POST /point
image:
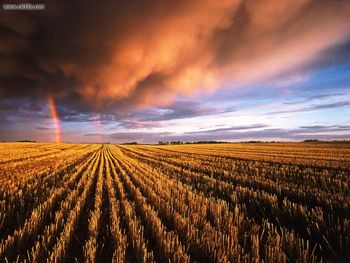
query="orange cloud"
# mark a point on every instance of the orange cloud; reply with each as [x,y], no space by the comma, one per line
[144,54]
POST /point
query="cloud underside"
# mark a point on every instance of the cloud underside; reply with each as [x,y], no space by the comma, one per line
[324,106]
[123,55]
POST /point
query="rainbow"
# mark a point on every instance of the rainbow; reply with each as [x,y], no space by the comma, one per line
[55,118]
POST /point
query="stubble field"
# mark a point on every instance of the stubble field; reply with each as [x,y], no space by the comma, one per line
[277,202]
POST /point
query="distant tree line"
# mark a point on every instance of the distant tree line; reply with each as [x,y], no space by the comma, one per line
[197,142]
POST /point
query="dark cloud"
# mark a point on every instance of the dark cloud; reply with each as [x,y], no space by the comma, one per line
[314,127]
[45,128]
[334,55]
[117,56]
[325,128]
[24,110]
[334,105]
[181,110]
[315,97]
[153,117]
[331,105]
[229,129]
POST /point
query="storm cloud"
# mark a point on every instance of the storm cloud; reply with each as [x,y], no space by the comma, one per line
[121,55]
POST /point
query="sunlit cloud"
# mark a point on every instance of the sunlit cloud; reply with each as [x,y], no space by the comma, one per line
[147,56]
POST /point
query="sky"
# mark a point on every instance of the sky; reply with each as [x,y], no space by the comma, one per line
[164,70]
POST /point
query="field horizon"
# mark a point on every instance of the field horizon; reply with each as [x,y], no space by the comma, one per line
[310,141]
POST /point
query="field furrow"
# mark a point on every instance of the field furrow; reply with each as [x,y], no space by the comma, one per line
[282,202]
